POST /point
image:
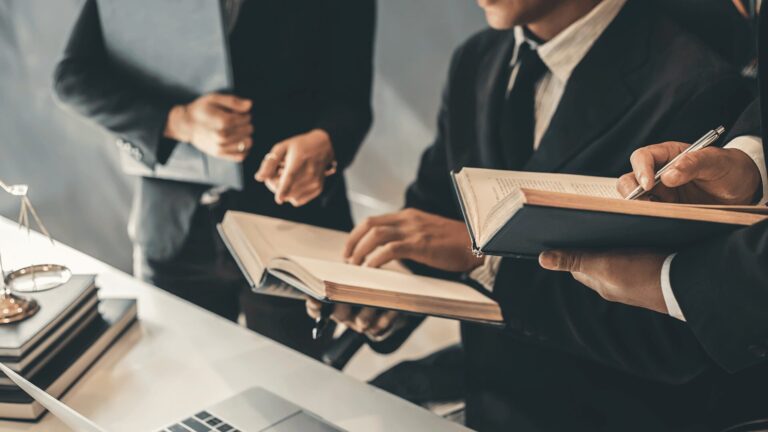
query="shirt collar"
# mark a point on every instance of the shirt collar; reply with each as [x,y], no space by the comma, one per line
[565,51]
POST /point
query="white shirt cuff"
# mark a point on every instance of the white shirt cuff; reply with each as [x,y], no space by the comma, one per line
[753,147]
[485,275]
[673,308]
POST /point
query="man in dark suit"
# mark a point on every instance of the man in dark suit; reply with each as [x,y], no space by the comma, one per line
[703,284]
[720,285]
[301,99]
[568,360]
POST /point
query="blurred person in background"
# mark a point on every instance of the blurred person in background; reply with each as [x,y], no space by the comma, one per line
[296,117]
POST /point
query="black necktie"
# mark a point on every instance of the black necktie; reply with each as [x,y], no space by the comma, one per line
[517,114]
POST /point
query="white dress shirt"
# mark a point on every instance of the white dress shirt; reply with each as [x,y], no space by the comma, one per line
[561,55]
[752,146]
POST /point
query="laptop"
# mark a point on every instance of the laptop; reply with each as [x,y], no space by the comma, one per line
[254,409]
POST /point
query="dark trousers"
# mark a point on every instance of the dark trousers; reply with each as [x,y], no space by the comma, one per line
[205,274]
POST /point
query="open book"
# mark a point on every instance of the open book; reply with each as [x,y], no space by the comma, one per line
[515,213]
[309,258]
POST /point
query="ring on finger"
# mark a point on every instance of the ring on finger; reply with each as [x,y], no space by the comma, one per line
[241,146]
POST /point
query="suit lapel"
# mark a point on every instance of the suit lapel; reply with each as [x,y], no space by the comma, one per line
[492,80]
[587,109]
[596,94]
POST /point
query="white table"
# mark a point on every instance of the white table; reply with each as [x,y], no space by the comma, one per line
[180,358]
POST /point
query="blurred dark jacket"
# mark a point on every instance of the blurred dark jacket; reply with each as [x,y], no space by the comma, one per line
[305,64]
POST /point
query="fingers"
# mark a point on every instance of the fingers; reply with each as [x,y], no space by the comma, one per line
[365,319]
[362,229]
[383,323]
[705,164]
[230,102]
[233,148]
[376,236]
[568,261]
[305,188]
[272,183]
[234,136]
[219,119]
[303,195]
[313,307]
[389,252]
[291,170]
[270,165]
[645,161]
[343,314]
[626,184]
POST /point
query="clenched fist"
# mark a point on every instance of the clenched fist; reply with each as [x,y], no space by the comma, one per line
[218,125]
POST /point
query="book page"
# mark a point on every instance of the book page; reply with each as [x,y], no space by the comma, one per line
[498,184]
[490,191]
[285,238]
[368,278]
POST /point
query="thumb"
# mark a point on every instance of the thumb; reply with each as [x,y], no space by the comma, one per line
[231,102]
[561,260]
[645,160]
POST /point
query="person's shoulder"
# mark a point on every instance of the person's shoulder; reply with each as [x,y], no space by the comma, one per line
[677,49]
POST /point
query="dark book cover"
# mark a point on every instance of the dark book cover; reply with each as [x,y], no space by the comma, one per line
[115,316]
[534,229]
[18,338]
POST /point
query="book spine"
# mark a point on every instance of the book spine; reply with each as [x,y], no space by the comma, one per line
[476,250]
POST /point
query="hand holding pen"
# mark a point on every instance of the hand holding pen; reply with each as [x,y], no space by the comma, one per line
[644,185]
[711,175]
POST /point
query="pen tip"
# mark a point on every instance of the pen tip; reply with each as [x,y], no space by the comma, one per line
[720,130]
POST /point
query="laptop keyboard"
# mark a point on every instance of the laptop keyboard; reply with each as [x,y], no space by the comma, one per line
[201,422]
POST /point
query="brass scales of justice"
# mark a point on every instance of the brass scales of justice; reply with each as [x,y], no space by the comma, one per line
[34,278]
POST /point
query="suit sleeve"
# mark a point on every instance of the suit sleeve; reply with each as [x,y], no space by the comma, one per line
[747,124]
[432,190]
[86,81]
[722,288]
[347,75]
[553,309]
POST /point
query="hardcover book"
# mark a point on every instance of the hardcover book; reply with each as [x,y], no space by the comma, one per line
[521,214]
[309,258]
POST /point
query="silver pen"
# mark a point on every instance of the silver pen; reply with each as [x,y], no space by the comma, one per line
[708,139]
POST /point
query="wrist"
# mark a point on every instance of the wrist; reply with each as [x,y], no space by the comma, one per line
[322,139]
[177,125]
[657,299]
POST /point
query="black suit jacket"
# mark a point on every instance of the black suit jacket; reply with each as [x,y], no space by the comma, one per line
[722,284]
[306,64]
[569,359]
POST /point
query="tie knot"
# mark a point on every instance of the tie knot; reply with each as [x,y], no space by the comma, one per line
[529,63]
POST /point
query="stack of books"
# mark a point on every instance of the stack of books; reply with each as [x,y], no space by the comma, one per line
[56,346]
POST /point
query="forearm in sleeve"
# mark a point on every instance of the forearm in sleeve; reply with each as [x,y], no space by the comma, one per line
[86,81]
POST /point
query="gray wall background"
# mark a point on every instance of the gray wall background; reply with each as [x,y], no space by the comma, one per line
[71,165]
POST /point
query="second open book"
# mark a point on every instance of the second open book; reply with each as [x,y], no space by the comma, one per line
[515,213]
[310,259]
